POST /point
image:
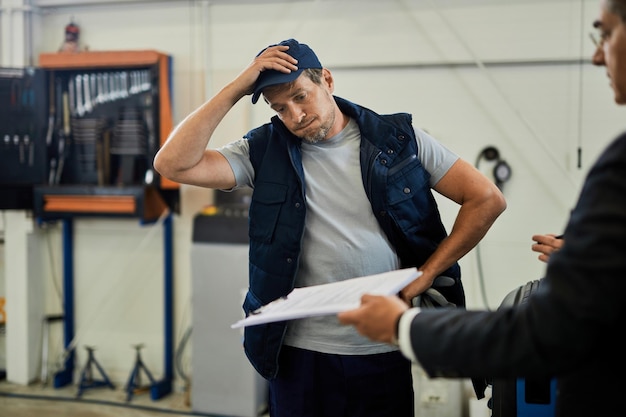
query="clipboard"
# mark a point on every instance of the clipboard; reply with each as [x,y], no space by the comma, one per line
[332,298]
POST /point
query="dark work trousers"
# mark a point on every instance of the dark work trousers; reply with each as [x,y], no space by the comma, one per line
[313,384]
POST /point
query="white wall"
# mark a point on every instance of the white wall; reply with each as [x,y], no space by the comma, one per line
[514,74]
[3,357]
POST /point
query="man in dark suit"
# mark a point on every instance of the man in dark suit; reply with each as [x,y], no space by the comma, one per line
[570,328]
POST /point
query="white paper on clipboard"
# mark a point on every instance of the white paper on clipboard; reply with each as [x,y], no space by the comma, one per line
[319,300]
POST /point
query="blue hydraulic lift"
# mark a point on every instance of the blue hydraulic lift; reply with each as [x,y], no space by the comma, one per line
[158,389]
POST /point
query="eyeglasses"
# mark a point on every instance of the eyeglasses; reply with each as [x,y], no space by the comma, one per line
[597,42]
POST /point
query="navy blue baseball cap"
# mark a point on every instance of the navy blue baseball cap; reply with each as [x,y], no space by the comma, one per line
[306,59]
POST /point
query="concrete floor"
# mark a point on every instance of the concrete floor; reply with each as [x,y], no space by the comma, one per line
[36,400]
[39,400]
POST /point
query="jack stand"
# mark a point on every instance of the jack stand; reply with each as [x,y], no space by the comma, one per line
[134,382]
[86,376]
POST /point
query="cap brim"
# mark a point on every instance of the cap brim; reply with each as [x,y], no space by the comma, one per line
[269,78]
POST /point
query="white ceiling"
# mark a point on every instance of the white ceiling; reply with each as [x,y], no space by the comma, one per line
[413,3]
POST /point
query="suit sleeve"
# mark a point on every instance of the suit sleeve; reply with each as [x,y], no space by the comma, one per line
[571,319]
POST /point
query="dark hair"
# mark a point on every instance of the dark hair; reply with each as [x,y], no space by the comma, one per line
[315,74]
[617,7]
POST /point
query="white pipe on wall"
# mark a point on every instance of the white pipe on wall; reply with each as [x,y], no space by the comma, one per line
[16,49]
[23,244]
[206,52]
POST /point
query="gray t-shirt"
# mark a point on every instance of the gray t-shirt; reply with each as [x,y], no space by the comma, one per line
[342,238]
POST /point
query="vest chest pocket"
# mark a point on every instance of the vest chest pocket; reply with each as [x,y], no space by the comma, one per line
[267,201]
[407,179]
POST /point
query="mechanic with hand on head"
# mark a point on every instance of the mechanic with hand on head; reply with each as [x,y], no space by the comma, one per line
[339,192]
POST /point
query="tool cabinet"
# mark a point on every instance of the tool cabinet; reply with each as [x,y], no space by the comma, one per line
[22,135]
[81,131]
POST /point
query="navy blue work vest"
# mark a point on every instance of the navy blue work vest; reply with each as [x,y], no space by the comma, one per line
[396,184]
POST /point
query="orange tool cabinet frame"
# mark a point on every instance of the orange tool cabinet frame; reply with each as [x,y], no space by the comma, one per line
[58,201]
[70,204]
[120,59]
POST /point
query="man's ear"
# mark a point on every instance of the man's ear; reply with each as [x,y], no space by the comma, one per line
[328,79]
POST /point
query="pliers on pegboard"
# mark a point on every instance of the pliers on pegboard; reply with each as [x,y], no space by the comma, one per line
[16,90]
[22,96]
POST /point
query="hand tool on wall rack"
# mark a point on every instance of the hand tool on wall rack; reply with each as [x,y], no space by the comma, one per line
[56,113]
[147,80]
[16,92]
[16,144]
[80,107]
[28,93]
[53,170]
[72,97]
[20,145]
[51,107]
[124,84]
[93,89]
[113,87]
[99,89]
[116,85]
[61,163]
[58,150]
[149,120]
[25,149]
[30,149]
[67,130]
[87,135]
[134,89]
[105,88]
[63,138]
[87,94]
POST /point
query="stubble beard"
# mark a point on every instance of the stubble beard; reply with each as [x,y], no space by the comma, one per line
[321,133]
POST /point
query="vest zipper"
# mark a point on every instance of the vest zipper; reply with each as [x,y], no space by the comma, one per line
[402,164]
